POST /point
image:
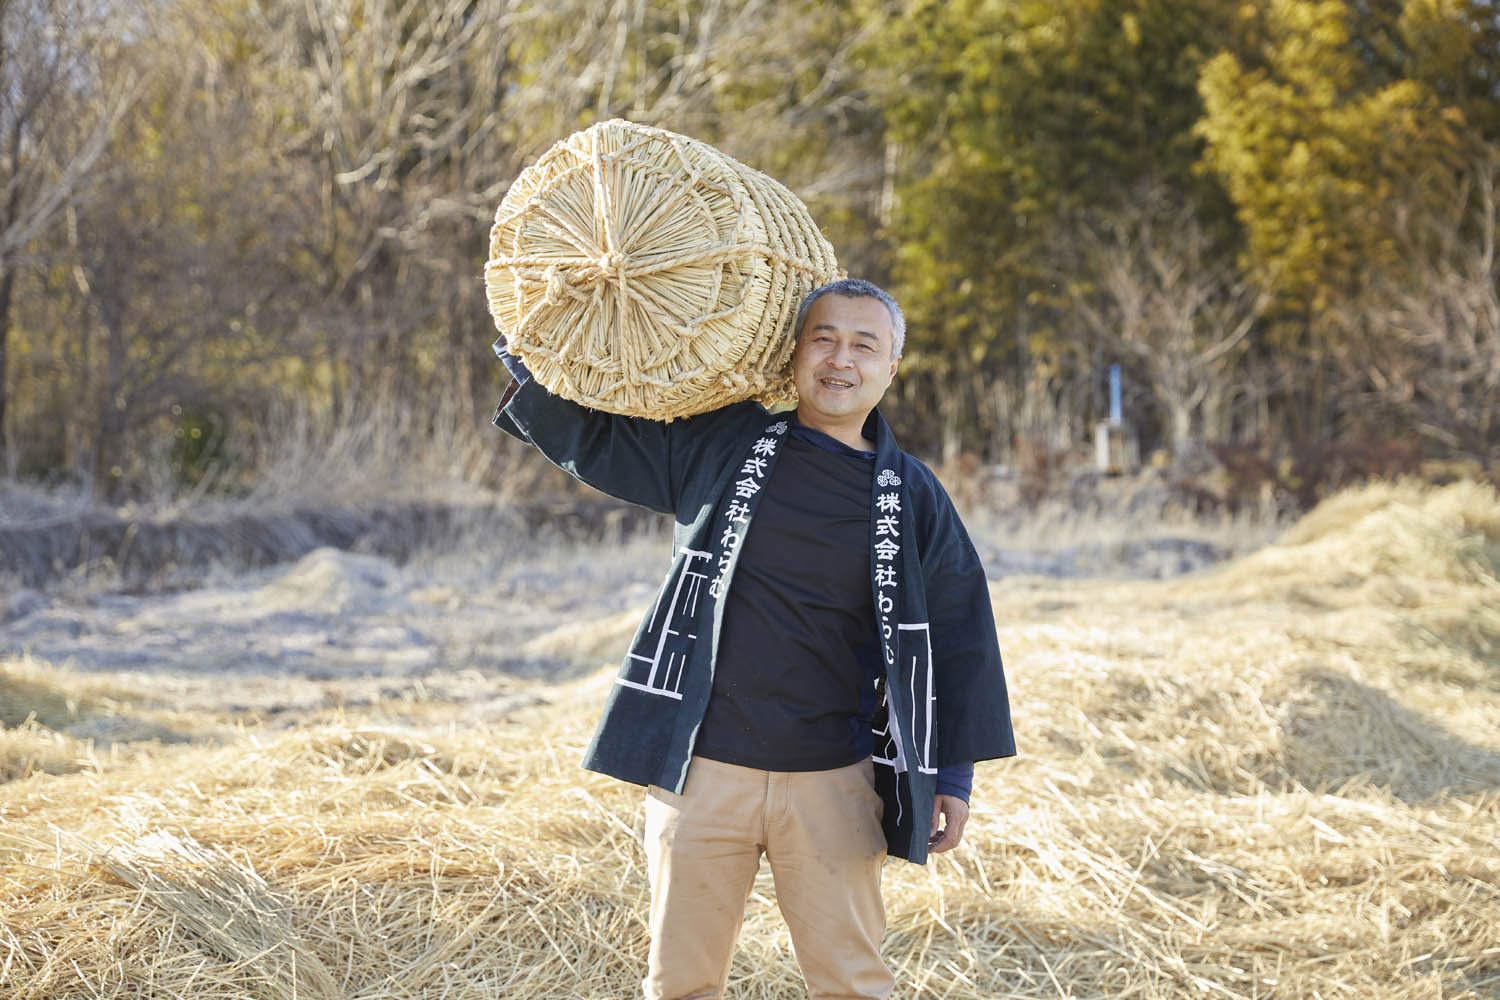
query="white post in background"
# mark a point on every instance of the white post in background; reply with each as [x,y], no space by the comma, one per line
[1116,452]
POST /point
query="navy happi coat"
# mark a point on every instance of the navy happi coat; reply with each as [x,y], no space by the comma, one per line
[943,699]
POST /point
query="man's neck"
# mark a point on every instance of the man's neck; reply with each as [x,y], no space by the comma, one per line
[850,433]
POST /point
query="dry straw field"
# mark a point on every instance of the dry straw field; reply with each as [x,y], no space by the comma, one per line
[1278,778]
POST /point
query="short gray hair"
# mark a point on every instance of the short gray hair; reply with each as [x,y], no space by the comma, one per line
[858,288]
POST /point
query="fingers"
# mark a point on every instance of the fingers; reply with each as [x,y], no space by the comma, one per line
[954,813]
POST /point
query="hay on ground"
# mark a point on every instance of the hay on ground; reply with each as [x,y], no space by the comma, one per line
[1257,783]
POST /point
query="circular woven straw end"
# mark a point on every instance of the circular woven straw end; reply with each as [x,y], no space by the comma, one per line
[641,272]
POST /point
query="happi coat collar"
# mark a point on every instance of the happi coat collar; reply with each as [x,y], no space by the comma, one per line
[942,698]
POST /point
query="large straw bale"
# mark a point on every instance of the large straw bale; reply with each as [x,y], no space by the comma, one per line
[642,272]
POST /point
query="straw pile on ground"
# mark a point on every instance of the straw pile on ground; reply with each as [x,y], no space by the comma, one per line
[642,272]
[1279,779]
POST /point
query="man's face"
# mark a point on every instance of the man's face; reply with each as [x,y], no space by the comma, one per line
[843,363]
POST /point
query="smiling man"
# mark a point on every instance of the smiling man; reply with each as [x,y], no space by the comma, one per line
[819,672]
[845,359]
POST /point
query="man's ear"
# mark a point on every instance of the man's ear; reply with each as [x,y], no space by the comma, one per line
[894,363]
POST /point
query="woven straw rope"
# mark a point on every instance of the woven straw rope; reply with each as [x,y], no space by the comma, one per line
[641,272]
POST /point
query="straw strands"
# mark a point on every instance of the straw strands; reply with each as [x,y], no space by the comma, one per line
[642,272]
[1280,779]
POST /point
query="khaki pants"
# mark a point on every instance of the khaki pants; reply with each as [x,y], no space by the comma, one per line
[821,832]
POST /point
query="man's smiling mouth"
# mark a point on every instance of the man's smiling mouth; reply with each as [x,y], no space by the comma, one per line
[836,383]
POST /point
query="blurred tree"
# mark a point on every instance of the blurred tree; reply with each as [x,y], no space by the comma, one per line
[342,159]
[1454,50]
[1324,129]
[60,97]
[1169,303]
[1010,119]
[183,255]
[1316,136]
[396,136]
[298,204]
[795,96]
[1424,333]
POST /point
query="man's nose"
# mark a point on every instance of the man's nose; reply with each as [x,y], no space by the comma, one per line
[843,357]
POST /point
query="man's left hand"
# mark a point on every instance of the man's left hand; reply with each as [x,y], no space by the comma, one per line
[950,813]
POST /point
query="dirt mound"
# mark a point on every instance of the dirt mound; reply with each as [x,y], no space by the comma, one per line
[147,547]
[589,644]
[328,581]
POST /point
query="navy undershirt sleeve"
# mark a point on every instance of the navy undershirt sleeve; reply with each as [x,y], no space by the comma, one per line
[956,780]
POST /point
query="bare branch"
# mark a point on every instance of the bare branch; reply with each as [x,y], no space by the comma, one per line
[1161,295]
[1426,334]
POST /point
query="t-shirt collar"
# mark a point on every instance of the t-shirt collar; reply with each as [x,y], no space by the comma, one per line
[826,442]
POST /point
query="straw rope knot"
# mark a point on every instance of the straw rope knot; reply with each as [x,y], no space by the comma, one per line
[612,263]
[557,287]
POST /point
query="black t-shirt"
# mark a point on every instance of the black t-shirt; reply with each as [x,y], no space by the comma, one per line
[797,660]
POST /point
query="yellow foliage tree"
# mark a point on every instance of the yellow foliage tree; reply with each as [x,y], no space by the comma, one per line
[1315,149]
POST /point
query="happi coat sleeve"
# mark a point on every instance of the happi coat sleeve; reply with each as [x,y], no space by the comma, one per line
[663,466]
[974,705]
